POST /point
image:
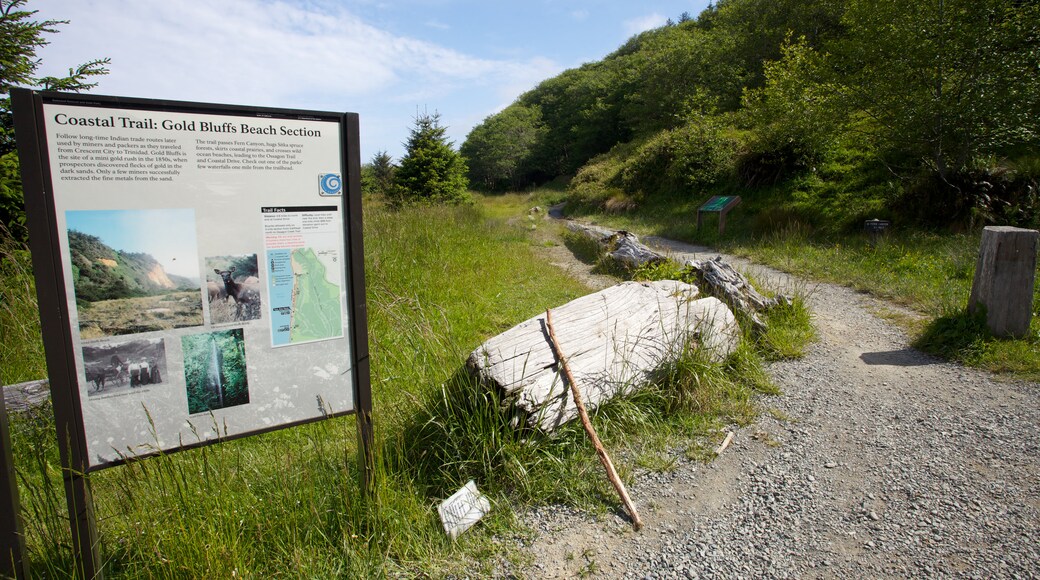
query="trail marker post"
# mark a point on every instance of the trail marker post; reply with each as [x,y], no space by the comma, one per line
[1004,277]
[720,204]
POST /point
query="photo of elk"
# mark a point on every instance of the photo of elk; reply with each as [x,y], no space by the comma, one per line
[118,367]
[215,370]
[233,288]
[134,271]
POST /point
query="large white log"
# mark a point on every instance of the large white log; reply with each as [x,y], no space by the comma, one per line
[614,341]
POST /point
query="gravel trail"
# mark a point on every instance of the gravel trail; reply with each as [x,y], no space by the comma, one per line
[875,461]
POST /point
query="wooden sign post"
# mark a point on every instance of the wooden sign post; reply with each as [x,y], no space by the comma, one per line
[720,204]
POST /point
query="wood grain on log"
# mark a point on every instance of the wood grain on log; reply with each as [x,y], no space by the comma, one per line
[24,396]
[616,338]
[1004,277]
[621,246]
[722,281]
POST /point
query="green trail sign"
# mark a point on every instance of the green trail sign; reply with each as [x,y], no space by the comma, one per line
[721,204]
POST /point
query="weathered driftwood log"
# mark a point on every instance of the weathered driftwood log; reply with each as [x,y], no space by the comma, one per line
[620,246]
[25,396]
[615,340]
[720,280]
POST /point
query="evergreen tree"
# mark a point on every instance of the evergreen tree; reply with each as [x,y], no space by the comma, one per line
[20,37]
[383,172]
[431,169]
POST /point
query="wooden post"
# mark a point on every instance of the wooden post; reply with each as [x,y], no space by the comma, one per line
[600,450]
[1004,277]
[13,563]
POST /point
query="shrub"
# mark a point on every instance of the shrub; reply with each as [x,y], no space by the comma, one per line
[695,155]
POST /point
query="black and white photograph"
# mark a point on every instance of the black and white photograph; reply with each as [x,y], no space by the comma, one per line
[114,367]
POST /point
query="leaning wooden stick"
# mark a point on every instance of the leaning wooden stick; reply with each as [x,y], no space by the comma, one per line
[603,457]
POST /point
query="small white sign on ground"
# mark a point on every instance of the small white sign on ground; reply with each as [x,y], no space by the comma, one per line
[463,509]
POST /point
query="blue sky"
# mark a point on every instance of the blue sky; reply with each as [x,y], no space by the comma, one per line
[384,60]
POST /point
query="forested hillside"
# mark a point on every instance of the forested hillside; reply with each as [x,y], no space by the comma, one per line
[838,109]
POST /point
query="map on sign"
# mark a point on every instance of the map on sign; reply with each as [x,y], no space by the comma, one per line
[304,279]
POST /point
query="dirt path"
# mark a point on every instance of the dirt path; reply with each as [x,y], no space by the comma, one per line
[875,461]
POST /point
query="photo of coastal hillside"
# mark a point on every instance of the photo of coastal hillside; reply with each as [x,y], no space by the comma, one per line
[134,271]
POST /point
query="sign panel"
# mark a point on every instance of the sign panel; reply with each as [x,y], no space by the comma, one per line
[206,270]
[718,203]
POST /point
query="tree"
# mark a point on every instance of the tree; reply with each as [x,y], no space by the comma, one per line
[499,150]
[21,35]
[377,176]
[945,88]
[430,170]
[943,80]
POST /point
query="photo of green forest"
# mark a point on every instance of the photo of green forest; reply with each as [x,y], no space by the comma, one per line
[215,370]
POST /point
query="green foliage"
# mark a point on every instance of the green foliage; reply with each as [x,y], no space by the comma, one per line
[21,345]
[431,171]
[942,83]
[499,151]
[923,109]
[21,35]
[792,119]
[377,176]
[693,156]
[215,370]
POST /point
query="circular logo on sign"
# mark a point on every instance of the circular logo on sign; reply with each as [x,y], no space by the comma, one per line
[331,184]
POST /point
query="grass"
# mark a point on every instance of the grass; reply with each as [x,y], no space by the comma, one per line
[21,345]
[288,503]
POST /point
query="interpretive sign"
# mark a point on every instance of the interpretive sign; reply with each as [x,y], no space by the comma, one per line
[721,204]
[207,264]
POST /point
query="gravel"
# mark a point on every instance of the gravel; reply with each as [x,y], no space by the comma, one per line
[875,461]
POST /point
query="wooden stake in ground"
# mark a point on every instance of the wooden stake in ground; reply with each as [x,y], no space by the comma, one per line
[603,457]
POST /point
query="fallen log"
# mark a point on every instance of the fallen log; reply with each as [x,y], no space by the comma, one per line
[25,396]
[617,339]
[722,281]
[621,246]
[715,276]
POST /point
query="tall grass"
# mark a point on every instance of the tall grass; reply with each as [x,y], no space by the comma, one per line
[21,345]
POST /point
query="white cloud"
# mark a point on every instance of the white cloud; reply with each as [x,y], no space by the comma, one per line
[437,24]
[580,15]
[312,55]
[641,23]
[248,51]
